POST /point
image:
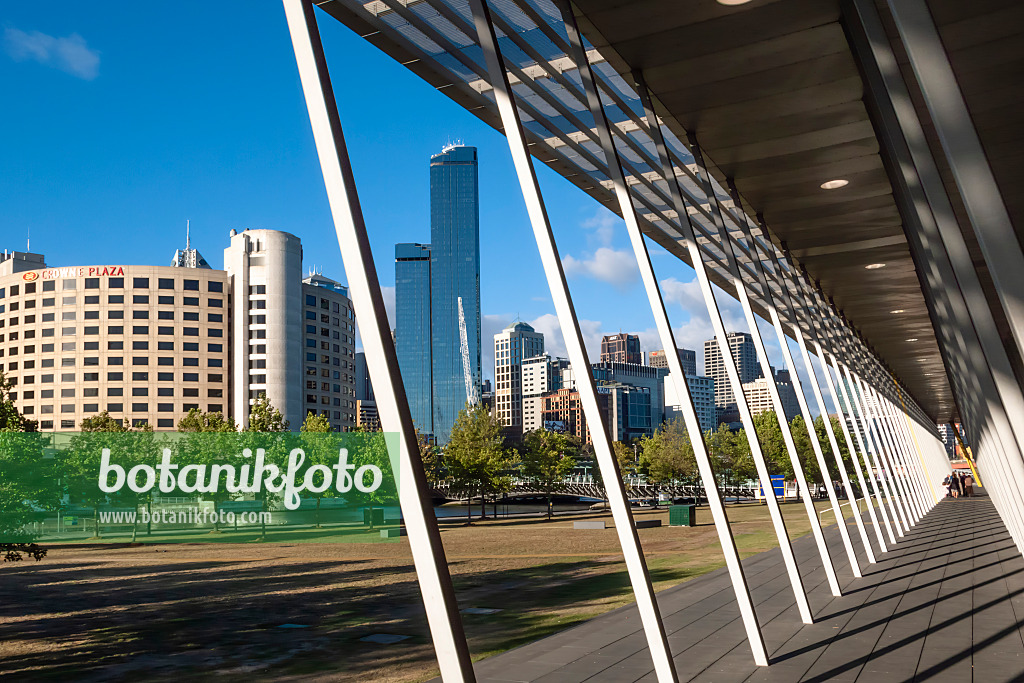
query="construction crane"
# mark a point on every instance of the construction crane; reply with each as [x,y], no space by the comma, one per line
[471,394]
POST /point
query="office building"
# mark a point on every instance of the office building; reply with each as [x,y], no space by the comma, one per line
[412,331]
[367,417]
[745,355]
[759,398]
[516,342]
[621,348]
[540,375]
[430,282]
[364,388]
[687,357]
[454,274]
[702,391]
[149,343]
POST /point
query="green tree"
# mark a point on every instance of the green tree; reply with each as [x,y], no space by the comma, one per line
[11,420]
[27,482]
[476,458]
[805,450]
[667,455]
[198,422]
[625,456]
[208,439]
[547,458]
[79,462]
[773,445]
[264,417]
[319,449]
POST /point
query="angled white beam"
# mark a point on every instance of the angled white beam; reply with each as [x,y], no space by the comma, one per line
[382,363]
[636,566]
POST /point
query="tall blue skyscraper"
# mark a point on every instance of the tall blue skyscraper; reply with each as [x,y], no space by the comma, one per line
[412,330]
[454,273]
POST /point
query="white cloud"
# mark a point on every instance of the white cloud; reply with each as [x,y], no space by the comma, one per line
[603,224]
[554,343]
[70,54]
[614,266]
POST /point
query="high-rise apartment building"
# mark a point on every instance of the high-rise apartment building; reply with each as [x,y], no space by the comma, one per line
[687,357]
[741,344]
[428,292]
[512,345]
[413,339]
[540,375]
[621,348]
[149,343]
[702,391]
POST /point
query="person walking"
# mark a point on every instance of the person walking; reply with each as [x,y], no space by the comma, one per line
[969,486]
[954,484]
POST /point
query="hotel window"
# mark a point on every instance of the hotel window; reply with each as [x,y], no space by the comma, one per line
[67,331]
[139,421]
[165,391]
[215,303]
[115,329]
[214,317]
[165,407]
[140,282]
[67,362]
[190,377]
[140,376]
[165,283]
[190,315]
[190,346]
[67,393]
[215,408]
[212,286]
[165,300]
[165,330]
[165,377]
[190,331]
[67,377]
[115,298]
[140,360]
[67,424]
[140,298]
[140,329]
[165,315]
[215,393]
[67,408]
[115,315]
[115,376]
[165,346]
[140,346]
[115,283]
[48,302]
[140,315]
[215,362]
[164,422]
[190,285]
[92,283]
[140,391]
[214,348]
[215,332]
[90,330]
[189,392]
[67,315]
[190,300]
[115,407]
[50,286]
[92,315]
[190,362]
[70,284]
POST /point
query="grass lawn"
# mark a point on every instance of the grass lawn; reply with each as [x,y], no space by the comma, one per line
[174,611]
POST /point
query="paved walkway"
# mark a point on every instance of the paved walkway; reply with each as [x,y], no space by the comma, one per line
[946,604]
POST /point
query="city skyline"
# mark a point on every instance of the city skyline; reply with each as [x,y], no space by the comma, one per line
[139,176]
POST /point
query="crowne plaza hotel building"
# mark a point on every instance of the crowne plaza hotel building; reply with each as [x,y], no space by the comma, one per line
[149,343]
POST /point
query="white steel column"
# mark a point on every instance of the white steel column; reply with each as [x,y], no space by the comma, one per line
[636,565]
[844,532]
[888,470]
[787,433]
[894,456]
[857,458]
[905,455]
[833,329]
[382,363]
[865,423]
[910,455]
[718,325]
[858,519]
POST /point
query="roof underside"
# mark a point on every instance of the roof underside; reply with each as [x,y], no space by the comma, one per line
[774,97]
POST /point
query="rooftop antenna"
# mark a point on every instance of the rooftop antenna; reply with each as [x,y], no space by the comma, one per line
[188,243]
[28,239]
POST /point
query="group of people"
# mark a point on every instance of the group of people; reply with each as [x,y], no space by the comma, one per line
[959,483]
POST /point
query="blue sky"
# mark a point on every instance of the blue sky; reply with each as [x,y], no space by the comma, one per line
[120,125]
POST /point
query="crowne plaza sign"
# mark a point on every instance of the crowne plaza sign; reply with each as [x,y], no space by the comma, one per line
[75,271]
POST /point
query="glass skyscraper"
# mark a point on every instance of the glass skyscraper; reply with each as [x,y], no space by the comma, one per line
[454,273]
[412,330]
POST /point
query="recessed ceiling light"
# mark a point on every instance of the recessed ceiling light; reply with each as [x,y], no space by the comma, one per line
[874,266]
[912,339]
[898,310]
[832,184]
[733,2]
